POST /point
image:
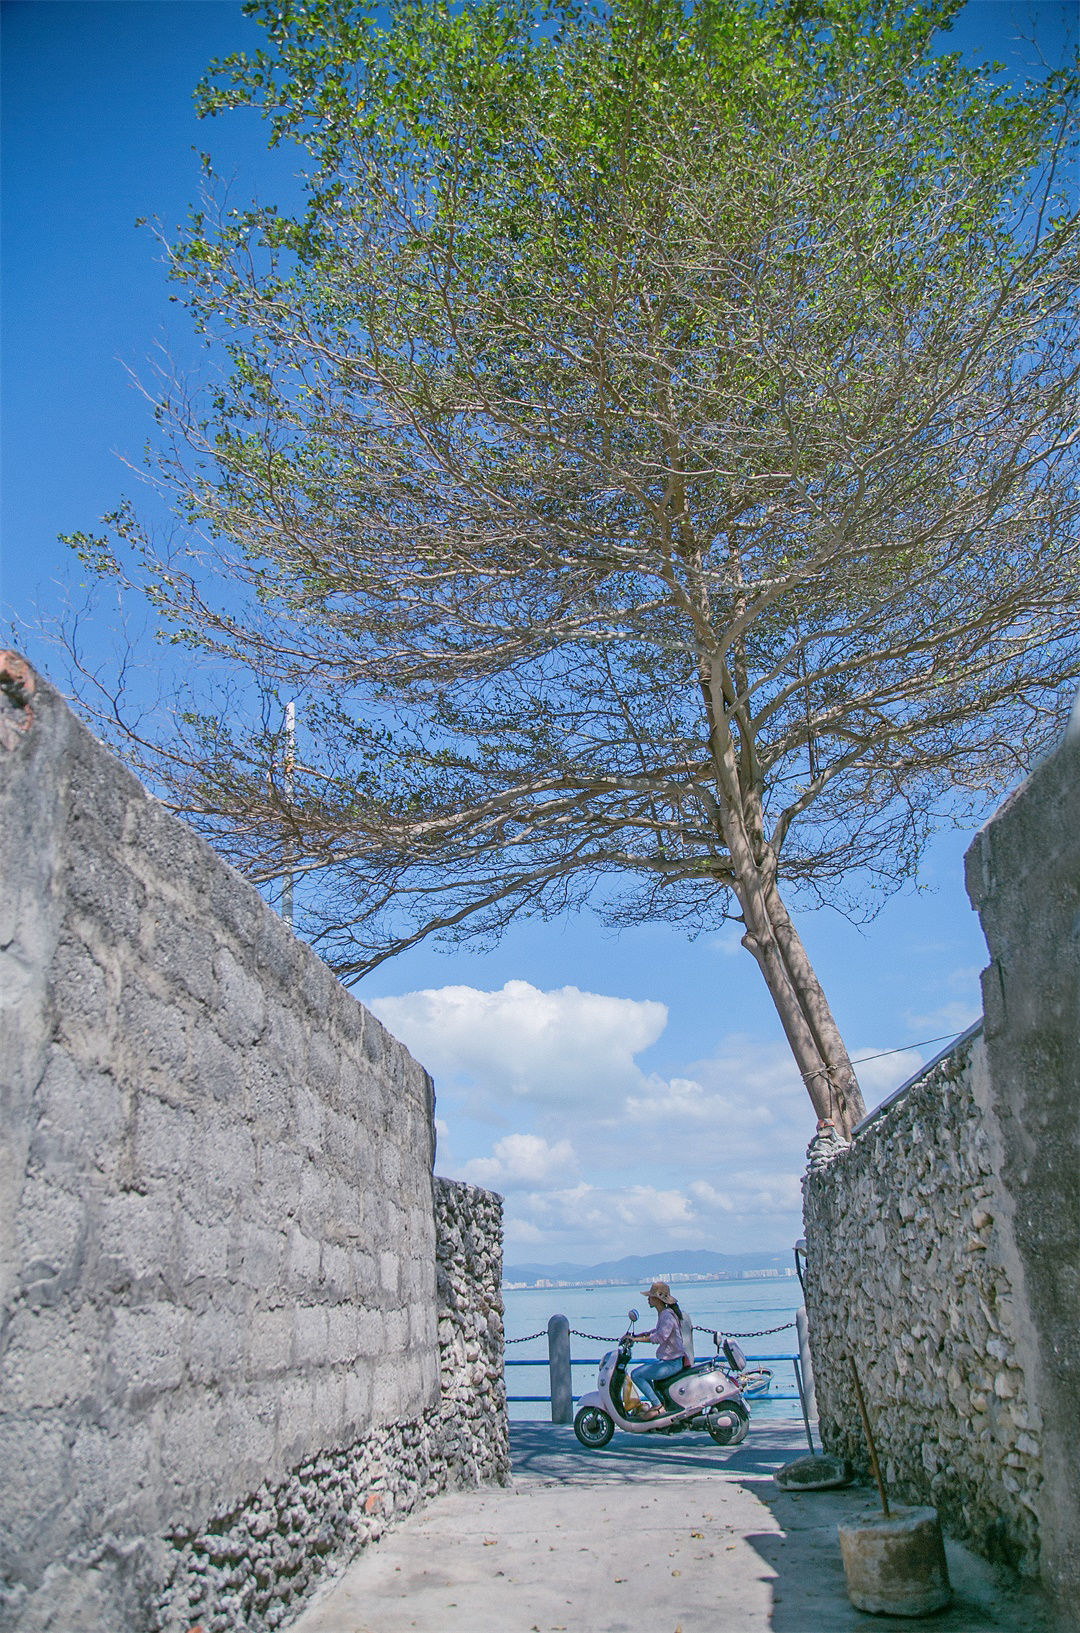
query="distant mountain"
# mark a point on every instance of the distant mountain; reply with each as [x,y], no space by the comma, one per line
[653,1267]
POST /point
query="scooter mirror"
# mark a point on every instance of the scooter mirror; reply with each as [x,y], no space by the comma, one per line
[632,1315]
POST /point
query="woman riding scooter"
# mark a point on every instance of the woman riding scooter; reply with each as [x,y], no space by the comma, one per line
[671,1354]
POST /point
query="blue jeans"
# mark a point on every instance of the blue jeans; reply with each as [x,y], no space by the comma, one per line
[644,1374]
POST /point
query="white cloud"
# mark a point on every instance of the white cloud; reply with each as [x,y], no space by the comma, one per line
[955,1016]
[712,1199]
[650,1205]
[684,1100]
[752,1090]
[606,1213]
[712,1158]
[743,1105]
[750,1193]
[521,1159]
[591,1222]
[957,1012]
[552,1048]
[597,1158]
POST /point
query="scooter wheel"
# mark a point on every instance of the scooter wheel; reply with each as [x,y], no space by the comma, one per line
[728,1423]
[593,1427]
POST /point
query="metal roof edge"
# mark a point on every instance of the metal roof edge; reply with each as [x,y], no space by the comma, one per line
[898,1094]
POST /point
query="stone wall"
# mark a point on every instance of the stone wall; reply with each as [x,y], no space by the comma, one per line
[1023,876]
[256,1561]
[911,1270]
[219,1347]
[474,1433]
[944,1243]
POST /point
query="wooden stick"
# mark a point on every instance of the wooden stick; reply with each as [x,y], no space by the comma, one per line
[869,1440]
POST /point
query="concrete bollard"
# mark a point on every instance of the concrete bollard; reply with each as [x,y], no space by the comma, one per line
[804,1377]
[562,1390]
[895,1564]
[806,1363]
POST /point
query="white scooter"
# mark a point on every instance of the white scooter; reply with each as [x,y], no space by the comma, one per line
[700,1396]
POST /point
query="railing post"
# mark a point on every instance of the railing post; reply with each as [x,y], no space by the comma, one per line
[806,1362]
[562,1393]
[804,1374]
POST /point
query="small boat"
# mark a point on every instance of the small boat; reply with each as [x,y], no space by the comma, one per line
[755,1381]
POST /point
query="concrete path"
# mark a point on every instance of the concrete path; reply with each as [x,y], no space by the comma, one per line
[663,1534]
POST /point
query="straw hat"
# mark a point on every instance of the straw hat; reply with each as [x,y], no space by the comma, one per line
[660,1290]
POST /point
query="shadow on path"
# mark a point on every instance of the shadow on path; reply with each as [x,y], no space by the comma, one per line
[550,1451]
[790,1537]
[668,1533]
[809,1591]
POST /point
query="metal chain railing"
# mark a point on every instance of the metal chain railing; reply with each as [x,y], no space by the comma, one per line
[603,1338]
[762,1332]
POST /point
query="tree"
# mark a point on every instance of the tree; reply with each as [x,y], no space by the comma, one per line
[649,458]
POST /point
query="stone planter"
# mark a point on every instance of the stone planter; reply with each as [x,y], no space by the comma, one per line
[895,1566]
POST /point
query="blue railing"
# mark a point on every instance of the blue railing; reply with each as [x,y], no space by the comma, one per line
[560,1365]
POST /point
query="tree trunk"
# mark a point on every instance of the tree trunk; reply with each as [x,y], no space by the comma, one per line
[843,1086]
[801,1005]
[824,1065]
[770,935]
[804,1012]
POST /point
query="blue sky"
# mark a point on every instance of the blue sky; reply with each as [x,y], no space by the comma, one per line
[623,1092]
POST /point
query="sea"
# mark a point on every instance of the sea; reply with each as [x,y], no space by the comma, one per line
[732,1307]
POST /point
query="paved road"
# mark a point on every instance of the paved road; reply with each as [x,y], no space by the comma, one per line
[668,1535]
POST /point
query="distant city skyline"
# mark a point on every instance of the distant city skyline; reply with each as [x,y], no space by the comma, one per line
[674,1279]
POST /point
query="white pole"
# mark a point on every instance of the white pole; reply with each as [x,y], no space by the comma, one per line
[806,1364]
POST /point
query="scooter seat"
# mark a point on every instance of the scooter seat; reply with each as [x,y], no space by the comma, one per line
[662,1384]
[692,1366]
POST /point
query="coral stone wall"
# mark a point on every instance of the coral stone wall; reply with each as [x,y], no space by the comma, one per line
[944,1244]
[218,1309]
[475,1443]
[911,1270]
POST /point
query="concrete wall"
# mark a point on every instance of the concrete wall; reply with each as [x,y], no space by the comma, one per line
[217,1226]
[944,1243]
[1023,876]
[254,1562]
